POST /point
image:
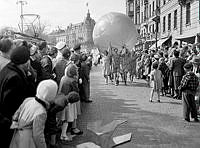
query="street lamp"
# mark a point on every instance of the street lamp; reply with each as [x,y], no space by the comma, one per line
[21,2]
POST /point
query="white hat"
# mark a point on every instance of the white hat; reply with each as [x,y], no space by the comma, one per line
[60,45]
[47,90]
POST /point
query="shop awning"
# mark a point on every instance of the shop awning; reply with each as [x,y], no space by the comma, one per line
[159,43]
[187,38]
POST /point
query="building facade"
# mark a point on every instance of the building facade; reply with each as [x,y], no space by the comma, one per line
[146,15]
[77,33]
[163,22]
[180,20]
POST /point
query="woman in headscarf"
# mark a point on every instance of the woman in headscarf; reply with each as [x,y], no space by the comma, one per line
[29,120]
[69,83]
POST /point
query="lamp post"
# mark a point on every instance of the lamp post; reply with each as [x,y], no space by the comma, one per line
[21,2]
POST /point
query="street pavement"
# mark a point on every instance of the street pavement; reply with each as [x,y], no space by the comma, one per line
[153,125]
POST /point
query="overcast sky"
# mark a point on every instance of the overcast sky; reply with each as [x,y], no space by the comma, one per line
[58,12]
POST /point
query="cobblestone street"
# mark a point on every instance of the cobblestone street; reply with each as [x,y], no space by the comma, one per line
[151,124]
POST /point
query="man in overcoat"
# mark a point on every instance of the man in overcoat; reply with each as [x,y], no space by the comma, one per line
[14,88]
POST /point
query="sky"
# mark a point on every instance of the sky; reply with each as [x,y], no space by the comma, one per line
[56,13]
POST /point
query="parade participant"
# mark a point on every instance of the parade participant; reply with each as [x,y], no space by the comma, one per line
[116,65]
[176,66]
[29,120]
[14,88]
[124,64]
[6,46]
[188,87]
[106,66]
[132,70]
[69,83]
[156,81]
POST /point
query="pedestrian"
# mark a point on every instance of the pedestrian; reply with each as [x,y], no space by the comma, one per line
[188,87]
[51,126]
[62,62]
[6,45]
[176,66]
[14,88]
[29,119]
[156,81]
[85,76]
[69,83]
[165,73]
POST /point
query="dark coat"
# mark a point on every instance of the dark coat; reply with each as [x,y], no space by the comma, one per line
[14,88]
[59,69]
[85,86]
[47,68]
[177,66]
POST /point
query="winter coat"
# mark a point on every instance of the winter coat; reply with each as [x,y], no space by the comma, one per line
[29,125]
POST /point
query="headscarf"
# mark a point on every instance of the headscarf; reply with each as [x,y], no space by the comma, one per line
[47,90]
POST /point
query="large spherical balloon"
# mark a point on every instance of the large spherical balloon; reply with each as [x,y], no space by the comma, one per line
[116,29]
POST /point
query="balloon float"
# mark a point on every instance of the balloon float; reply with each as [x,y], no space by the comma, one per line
[115,29]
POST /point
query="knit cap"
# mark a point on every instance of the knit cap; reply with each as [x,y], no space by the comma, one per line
[20,55]
[47,90]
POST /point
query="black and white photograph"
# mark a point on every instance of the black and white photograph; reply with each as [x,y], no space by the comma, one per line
[100,73]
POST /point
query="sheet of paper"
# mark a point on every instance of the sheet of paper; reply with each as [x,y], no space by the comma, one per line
[123,138]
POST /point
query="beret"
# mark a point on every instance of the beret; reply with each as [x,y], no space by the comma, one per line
[20,55]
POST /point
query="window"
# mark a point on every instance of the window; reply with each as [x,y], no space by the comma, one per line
[169,21]
[175,19]
[149,10]
[153,6]
[131,7]
[142,19]
[153,29]
[188,13]
[164,2]
[164,23]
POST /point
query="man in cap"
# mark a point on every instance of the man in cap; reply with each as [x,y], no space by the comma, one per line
[14,88]
[60,46]
[188,86]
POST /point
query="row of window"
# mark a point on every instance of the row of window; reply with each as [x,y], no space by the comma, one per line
[175,18]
